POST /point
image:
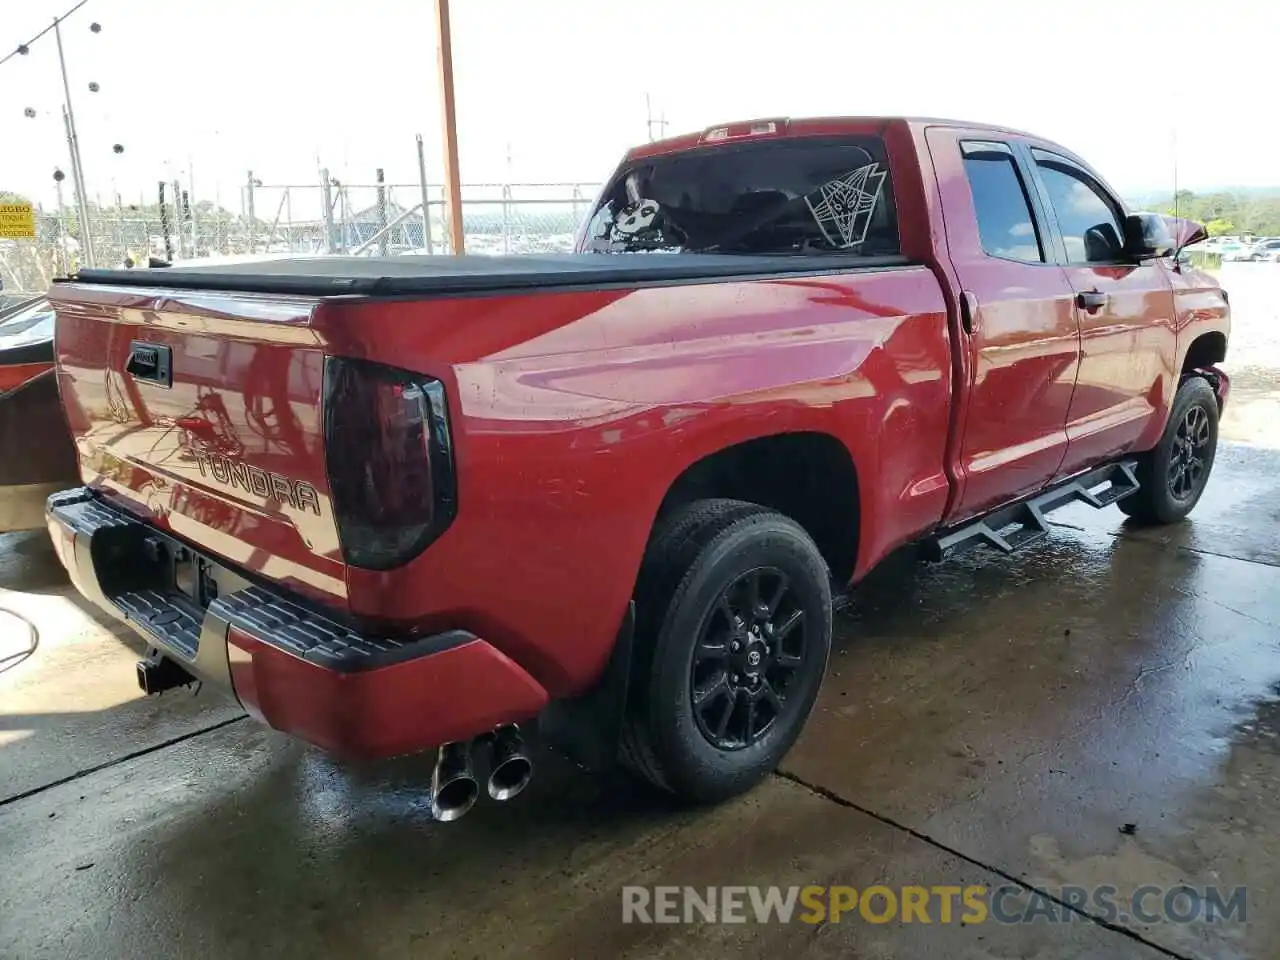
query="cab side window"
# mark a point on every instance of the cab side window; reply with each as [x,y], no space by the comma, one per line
[1090,224]
[1006,226]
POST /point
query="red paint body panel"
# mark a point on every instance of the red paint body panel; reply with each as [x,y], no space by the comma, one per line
[14,375]
[1022,355]
[568,440]
[246,386]
[387,712]
[574,411]
[1129,363]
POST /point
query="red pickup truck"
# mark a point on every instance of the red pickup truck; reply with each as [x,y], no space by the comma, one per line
[408,503]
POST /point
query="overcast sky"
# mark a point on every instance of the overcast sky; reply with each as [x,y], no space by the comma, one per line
[559,85]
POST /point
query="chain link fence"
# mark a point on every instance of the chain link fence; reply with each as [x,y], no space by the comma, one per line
[327,217]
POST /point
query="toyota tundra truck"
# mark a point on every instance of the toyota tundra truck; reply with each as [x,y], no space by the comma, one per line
[394,505]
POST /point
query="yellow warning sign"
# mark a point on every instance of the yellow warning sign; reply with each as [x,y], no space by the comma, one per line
[17,221]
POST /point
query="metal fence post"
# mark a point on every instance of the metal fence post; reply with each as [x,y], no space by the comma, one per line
[122,246]
[188,223]
[506,218]
[62,229]
[164,226]
[381,180]
[191,192]
[177,218]
[253,222]
[344,237]
[426,198]
[326,198]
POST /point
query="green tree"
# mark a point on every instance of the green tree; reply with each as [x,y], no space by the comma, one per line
[1228,212]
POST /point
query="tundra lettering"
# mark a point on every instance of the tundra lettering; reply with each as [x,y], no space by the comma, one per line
[255,480]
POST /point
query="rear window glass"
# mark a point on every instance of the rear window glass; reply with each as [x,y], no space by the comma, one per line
[799,196]
[1000,202]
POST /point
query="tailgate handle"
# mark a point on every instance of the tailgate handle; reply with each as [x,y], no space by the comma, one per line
[152,362]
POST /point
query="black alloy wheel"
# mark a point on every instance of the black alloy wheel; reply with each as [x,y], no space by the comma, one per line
[1173,475]
[1189,456]
[750,649]
[733,632]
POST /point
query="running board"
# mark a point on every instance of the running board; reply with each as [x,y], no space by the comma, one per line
[1012,527]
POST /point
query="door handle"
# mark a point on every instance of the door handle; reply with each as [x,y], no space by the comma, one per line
[1091,300]
[968,307]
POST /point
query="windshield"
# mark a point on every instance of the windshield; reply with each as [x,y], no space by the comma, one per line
[804,195]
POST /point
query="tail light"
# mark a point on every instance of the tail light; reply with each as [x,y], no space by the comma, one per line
[390,460]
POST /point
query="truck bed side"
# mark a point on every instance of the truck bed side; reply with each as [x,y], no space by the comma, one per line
[568,440]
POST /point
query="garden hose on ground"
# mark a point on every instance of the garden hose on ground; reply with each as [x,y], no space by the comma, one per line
[33,638]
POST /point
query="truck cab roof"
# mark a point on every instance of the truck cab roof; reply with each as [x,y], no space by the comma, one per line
[801,127]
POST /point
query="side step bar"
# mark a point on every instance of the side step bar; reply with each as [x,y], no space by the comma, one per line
[1018,524]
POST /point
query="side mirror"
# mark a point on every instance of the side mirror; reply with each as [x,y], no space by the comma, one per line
[1186,232]
[1101,244]
[1147,237]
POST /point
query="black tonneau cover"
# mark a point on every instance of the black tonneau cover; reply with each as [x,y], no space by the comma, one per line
[389,276]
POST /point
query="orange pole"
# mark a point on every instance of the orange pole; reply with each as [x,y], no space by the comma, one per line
[452,184]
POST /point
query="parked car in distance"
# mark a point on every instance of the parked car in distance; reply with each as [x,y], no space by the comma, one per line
[1232,250]
[1266,250]
[37,457]
[394,504]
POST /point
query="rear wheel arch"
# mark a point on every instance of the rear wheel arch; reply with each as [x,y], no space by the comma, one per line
[809,476]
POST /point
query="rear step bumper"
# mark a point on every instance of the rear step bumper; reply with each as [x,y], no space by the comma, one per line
[353,694]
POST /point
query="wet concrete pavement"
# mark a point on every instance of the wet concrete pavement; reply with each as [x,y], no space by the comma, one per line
[993,721]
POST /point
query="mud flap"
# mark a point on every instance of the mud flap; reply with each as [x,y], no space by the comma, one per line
[586,729]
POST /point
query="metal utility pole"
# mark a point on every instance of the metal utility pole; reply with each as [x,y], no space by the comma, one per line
[77,172]
[426,199]
[448,113]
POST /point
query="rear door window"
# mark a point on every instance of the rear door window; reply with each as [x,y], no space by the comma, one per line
[780,196]
[1006,225]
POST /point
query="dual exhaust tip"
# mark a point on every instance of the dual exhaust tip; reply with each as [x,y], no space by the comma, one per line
[454,788]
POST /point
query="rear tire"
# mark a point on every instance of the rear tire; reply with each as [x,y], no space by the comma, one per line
[733,634]
[1173,475]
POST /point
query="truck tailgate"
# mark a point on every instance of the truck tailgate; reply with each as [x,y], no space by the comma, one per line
[201,412]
